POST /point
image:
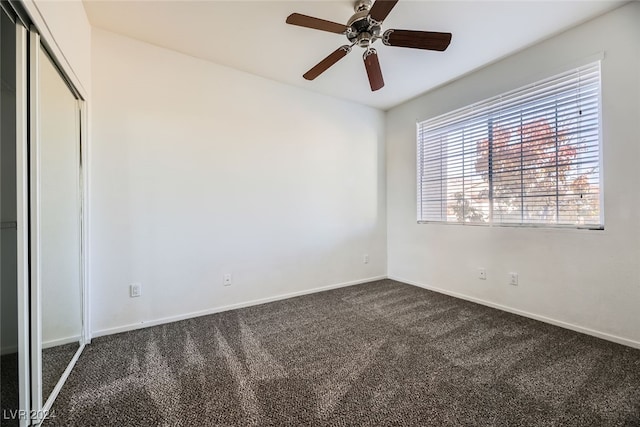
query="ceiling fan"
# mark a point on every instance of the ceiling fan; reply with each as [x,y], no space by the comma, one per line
[363,29]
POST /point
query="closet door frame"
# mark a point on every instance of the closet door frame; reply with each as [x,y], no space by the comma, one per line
[40,408]
[33,34]
[32,18]
[22,223]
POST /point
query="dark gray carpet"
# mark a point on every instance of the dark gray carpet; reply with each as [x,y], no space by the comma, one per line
[54,361]
[9,389]
[381,353]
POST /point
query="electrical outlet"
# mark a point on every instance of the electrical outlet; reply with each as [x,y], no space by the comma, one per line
[513,279]
[135,290]
[482,274]
[365,258]
[226,279]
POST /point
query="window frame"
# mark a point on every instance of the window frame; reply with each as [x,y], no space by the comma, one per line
[485,107]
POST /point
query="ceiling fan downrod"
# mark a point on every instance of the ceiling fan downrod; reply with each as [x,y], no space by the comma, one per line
[361,5]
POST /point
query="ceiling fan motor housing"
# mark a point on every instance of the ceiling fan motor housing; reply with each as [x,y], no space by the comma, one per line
[361,29]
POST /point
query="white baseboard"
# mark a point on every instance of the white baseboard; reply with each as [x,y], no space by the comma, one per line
[46,344]
[161,321]
[598,334]
[9,349]
[61,341]
[565,325]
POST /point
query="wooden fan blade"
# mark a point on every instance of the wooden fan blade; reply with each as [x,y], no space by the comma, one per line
[316,23]
[381,9]
[417,39]
[374,72]
[327,62]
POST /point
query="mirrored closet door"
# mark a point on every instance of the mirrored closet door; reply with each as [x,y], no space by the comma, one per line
[57,231]
[42,247]
[56,226]
[9,358]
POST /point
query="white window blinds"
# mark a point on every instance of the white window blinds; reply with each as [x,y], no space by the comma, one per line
[527,157]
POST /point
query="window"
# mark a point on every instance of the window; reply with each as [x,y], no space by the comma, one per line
[527,157]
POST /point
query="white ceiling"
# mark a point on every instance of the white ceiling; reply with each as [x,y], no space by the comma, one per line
[252,36]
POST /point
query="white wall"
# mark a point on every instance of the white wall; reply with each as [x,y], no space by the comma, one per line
[589,279]
[199,170]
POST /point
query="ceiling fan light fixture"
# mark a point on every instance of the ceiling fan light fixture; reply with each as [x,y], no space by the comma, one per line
[365,39]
